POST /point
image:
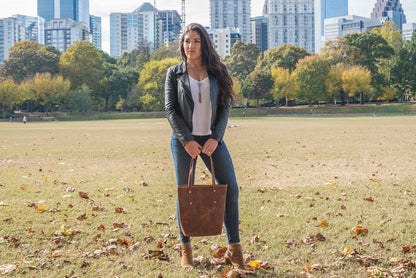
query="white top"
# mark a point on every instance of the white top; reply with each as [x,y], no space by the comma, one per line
[201,116]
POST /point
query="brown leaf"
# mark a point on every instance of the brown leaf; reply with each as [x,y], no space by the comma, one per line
[359,230]
[220,253]
[370,199]
[82,217]
[83,195]
[119,210]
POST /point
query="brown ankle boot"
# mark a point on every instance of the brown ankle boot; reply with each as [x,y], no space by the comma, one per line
[186,252]
[234,255]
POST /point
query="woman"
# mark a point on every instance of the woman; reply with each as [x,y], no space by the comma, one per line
[198,93]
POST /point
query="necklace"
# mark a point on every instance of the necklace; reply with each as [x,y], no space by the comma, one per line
[198,79]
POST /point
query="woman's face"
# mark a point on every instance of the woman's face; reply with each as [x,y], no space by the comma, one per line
[192,45]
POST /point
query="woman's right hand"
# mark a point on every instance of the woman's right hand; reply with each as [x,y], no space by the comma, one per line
[193,148]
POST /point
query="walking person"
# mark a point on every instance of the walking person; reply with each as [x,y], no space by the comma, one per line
[198,95]
[24,119]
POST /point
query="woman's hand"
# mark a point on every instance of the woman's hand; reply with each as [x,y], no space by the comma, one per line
[210,146]
[193,148]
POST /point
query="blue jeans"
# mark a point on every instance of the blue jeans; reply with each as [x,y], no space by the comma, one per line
[224,174]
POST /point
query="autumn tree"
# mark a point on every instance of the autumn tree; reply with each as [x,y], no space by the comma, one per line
[311,74]
[356,81]
[334,83]
[284,56]
[152,84]
[80,99]
[47,90]
[258,85]
[8,95]
[27,58]
[284,85]
[242,60]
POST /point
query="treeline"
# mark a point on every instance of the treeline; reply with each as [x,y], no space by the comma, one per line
[379,65]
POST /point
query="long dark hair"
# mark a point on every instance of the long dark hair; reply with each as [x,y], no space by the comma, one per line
[212,61]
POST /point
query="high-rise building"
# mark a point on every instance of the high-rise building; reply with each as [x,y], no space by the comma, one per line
[61,33]
[35,27]
[293,22]
[327,9]
[332,8]
[144,27]
[259,32]
[77,10]
[408,30]
[390,8]
[234,14]
[224,39]
[95,29]
[11,31]
[168,27]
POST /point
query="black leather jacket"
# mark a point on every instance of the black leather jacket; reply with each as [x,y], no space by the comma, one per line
[179,105]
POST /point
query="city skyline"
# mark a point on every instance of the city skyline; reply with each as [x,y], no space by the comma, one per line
[196,11]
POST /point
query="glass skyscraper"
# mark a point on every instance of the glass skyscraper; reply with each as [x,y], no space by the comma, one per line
[391,9]
[332,8]
[77,10]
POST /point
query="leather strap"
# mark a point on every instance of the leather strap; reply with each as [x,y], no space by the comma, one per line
[190,178]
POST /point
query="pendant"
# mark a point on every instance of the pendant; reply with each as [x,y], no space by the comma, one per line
[199,96]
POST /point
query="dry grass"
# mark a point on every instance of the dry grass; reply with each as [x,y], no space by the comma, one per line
[294,173]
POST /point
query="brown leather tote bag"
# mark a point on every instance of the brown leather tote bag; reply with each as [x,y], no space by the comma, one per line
[201,207]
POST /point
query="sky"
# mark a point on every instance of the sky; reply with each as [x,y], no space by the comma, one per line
[195,10]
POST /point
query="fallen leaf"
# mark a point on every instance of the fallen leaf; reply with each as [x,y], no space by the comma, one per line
[220,253]
[119,210]
[359,230]
[7,268]
[324,224]
[83,195]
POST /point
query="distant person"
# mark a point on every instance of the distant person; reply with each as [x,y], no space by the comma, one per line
[198,95]
[24,119]
[244,114]
[11,119]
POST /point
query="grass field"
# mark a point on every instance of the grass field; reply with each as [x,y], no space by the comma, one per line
[323,197]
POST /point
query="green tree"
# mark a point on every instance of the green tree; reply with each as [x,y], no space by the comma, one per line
[166,52]
[284,56]
[284,85]
[372,48]
[257,86]
[311,74]
[26,59]
[82,64]
[243,59]
[391,33]
[405,69]
[8,94]
[152,84]
[80,99]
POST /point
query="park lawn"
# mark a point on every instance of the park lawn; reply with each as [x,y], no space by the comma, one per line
[330,197]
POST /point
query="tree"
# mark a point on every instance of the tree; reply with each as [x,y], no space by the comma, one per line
[8,94]
[243,59]
[257,85]
[28,58]
[391,33]
[80,99]
[284,56]
[372,48]
[334,84]
[311,74]
[356,80]
[47,90]
[166,52]
[405,69]
[82,63]
[152,84]
[120,81]
[239,98]
[284,85]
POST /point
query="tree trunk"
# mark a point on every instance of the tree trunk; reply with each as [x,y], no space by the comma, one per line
[4,113]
